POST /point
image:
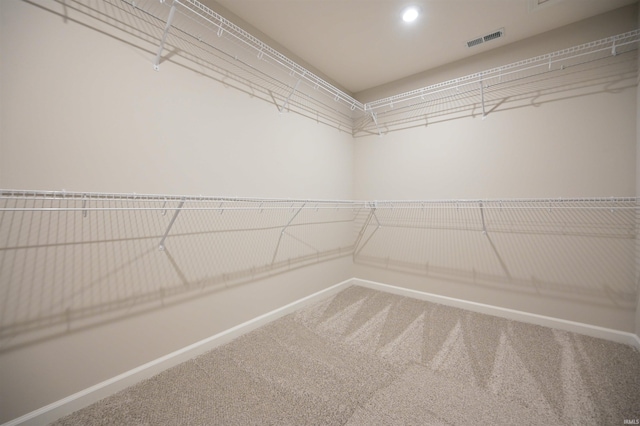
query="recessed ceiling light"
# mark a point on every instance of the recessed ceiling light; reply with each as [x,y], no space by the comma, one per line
[410,14]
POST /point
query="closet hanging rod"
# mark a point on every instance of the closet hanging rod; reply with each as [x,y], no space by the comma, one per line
[475,206]
[610,204]
[114,209]
[606,44]
[230,203]
[414,206]
[472,85]
[204,17]
[315,109]
[513,200]
[159,198]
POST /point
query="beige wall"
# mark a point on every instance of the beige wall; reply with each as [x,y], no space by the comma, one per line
[83,110]
[582,146]
[571,141]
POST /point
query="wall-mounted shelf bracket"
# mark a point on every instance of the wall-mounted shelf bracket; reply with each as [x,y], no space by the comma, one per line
[84,207]
[375,120]
[275,253]
[286,102]
[484,226]
[173,219]
[484,113]
[172,12]
[357,247]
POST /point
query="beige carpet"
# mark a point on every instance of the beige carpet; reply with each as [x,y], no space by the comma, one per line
[364,357]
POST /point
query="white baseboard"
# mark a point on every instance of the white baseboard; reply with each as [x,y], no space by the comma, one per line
[102,390]
[557,323]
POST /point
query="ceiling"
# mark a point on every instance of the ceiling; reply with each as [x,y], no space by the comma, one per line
[361,44]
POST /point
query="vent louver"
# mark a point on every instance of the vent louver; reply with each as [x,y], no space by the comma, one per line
[474,42]
[491,36]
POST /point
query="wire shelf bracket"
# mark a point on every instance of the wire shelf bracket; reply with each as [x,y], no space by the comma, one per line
[374,117]
[612,44]
[484,113]
[263,51]
[201,34]
[484,225]
[357,248]
[167,27]
[282,232]
[161,246]
[286,102]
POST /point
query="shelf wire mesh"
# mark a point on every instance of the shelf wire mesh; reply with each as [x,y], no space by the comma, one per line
[209,44]
[71,259]
[595,64]
[239,60]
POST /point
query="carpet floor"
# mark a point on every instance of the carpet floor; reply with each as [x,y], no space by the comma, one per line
[364,357]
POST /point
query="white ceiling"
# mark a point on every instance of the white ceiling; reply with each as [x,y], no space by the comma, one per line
[361,44]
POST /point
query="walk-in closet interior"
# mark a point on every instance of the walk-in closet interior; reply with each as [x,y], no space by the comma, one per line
[177,174]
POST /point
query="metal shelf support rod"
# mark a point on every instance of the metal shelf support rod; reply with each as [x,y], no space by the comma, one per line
[484,113]
[542,60]
[362,231]
[375,121]
[172,12]
[275,253]
[286,102]
[243,36]
[173,219]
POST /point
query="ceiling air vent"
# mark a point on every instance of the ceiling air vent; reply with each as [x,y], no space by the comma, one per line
[475,41]
[491,36]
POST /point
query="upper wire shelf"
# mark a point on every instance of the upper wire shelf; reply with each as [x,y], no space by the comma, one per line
[607,62]
[84,255]
[199,33]
[262,49]
[614,45]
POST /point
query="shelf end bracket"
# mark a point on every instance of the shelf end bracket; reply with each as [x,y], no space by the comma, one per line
[282,232]
[286,102]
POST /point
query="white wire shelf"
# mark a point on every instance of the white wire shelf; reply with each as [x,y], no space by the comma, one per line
[579,248]
[40,201]
[613,217]
[84,255]
[263,50]
[192,30]
[558,60]
[189,29]
[602,62]
[73,257]
[602,203]
[95,201]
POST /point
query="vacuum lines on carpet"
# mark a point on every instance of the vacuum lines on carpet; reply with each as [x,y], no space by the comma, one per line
[364,357]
